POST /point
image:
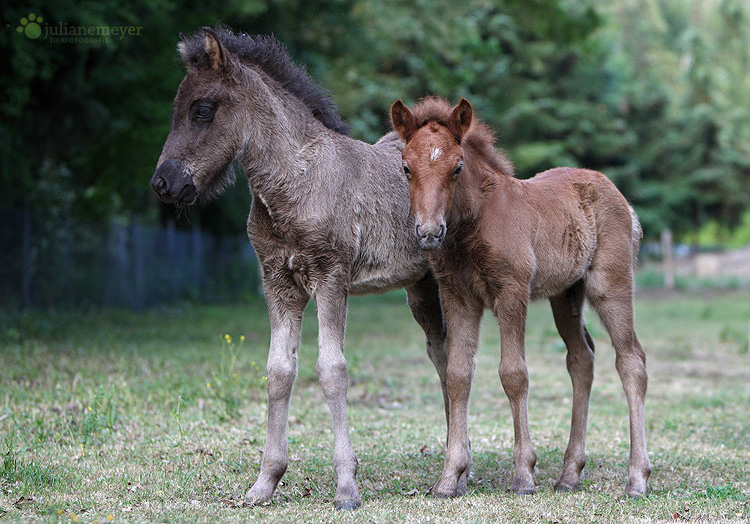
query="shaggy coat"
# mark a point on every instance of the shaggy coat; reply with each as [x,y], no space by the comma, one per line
[495,242]
[329,217]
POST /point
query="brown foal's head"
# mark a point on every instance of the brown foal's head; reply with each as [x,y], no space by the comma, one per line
[432,161]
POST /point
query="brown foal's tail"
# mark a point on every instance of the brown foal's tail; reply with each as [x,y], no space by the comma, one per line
[637,235]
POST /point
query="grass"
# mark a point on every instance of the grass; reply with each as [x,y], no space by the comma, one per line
[119,416]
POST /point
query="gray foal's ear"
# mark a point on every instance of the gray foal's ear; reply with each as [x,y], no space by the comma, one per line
[182,48]
[215,51]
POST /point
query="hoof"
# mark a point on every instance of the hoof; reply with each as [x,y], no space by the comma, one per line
[524,490]
[636,490]
[562,487]
[252,501]
[346,505]
[635,495]
[439,492]
[257,499]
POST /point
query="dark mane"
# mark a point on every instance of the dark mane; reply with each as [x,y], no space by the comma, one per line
[479,139]
[271,56]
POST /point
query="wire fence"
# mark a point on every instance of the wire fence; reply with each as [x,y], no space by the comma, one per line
[54,261]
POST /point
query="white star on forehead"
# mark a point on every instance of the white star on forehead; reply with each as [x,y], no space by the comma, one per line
[435,154]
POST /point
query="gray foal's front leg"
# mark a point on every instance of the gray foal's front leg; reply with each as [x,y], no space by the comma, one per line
[286,325]
[334,381]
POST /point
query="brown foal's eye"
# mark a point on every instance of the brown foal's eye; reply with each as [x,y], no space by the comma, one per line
[459,167]
[407,171]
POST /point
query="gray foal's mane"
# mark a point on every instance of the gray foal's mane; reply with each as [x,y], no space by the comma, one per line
[271,56]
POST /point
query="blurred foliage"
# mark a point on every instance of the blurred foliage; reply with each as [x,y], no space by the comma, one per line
[651,92]
[687,65]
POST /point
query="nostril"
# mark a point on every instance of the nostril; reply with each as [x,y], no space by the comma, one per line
[160,185]
[419,233]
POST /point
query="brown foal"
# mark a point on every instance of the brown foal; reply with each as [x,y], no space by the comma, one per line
[494,241]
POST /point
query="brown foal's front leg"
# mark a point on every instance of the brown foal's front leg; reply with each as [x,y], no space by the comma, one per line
[510,310]
[462,318]
[424,300]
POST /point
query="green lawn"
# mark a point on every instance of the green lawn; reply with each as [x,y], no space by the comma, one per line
[119,416]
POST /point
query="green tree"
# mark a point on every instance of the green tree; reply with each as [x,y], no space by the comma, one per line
[653,93]
[687,63]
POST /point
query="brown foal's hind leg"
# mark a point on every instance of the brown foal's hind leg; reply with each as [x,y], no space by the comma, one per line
[285,308]
[424,300]
[580,363]
[612,298]
[514,376]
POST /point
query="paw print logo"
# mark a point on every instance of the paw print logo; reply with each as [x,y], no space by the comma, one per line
[30,26]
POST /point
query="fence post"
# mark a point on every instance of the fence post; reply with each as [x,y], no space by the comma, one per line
[68,256]
[668,259]
[116,274]
[196,256]
[171,261]
[28,266]
[139,298]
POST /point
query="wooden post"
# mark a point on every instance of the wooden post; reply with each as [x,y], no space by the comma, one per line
[196,256]
[68,257]
[27,271]
[139,297]
[173,277]
[668,259]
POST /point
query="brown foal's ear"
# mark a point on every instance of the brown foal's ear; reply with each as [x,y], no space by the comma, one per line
[215,51]
[460,119]
[403,120]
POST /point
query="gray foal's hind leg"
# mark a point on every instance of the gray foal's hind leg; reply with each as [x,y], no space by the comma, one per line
[424,300]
